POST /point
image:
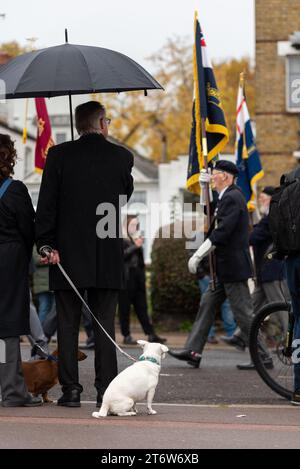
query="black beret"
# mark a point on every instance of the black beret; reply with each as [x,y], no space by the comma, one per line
[269,190]
[227,167]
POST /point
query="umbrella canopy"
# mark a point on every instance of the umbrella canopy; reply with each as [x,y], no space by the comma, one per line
[73,69]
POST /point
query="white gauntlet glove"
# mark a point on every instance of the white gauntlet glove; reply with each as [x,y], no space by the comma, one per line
[204,178]
[203,251]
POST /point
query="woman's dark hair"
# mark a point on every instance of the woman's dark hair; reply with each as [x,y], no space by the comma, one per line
[8,156]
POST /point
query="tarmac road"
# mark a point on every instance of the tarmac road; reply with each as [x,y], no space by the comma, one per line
[216,406]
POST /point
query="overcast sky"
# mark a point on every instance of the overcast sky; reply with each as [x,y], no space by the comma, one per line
[134,27]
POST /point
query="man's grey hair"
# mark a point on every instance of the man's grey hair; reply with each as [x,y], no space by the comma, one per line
[87,116]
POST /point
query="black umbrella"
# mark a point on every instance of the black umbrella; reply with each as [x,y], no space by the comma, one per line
[73,69]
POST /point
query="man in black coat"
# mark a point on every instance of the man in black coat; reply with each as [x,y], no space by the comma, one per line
[270,274]
[83,184]
[228,237]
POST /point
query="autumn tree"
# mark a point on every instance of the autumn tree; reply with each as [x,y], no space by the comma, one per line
[13,48]
[159,125]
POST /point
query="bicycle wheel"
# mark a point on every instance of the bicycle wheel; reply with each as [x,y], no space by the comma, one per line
[271,330]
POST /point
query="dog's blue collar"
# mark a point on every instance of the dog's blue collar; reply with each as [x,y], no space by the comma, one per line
[52,358]
[149,359]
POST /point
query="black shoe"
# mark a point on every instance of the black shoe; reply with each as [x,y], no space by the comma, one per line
[268,364]
[234,341]
[29,402]
[128,340]
[40,351]
[192,358]
[99,399]
[296,398]
[156,338]
[70,399]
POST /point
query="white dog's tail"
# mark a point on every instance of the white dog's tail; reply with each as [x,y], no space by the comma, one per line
[104,410]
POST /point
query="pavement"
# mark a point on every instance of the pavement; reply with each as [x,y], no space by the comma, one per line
[216,406]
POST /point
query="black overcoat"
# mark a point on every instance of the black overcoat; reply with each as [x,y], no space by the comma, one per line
[78,176]
[261,240]
[231,237]
[16,242]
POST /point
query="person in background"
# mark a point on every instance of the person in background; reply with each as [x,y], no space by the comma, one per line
[42,294]
[16,242]
[270,274]
[135,278]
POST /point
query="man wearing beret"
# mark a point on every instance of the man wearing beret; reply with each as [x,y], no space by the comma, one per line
[228,237]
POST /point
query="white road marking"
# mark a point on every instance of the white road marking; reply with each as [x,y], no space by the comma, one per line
[215,406]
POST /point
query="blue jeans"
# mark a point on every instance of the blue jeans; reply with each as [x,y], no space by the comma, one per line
[293,278]
[45,301]
[226,313]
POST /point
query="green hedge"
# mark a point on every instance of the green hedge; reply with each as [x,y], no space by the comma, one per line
[174,291]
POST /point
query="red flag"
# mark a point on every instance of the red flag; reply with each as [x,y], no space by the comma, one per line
[44,138]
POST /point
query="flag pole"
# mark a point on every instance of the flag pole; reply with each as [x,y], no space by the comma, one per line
[242,85]
[211,256]
[204,151]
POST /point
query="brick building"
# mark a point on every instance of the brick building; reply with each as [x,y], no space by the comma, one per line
[278,129]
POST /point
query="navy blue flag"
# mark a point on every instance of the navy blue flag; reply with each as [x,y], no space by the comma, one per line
[247,156]
[207,106]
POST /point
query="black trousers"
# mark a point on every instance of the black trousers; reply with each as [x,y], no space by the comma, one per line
[135,294]
[103,304]
[13,387]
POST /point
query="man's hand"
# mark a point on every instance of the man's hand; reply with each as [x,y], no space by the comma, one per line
[53,258]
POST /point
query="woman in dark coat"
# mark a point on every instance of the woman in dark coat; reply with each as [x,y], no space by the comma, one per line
[135,289]
[16,241]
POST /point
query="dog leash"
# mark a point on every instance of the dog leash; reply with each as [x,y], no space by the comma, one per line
[47,251]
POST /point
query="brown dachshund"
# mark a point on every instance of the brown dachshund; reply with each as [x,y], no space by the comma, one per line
[42,375]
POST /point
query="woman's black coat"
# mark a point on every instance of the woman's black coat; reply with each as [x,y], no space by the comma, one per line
[16,242]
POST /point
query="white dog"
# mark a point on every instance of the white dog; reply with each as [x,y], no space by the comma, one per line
[134,383]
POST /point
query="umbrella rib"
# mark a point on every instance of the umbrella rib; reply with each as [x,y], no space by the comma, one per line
[93,88]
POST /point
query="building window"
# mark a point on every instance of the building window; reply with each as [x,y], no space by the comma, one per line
[293,83]
[28,161]
[60,137]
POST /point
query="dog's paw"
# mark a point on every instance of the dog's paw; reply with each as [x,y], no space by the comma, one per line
[96,415]
[151,412]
